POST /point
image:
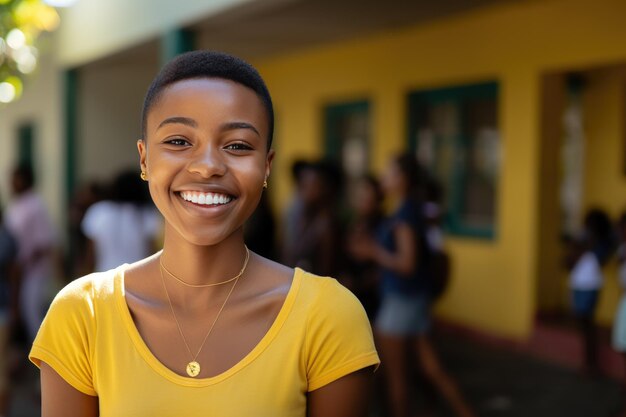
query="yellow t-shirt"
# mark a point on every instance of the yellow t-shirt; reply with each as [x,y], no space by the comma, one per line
[88,336]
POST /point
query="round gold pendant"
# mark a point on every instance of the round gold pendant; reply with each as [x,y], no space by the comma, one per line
[193,369]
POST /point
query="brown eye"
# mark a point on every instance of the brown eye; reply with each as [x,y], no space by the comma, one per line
[239,146]
[177,142]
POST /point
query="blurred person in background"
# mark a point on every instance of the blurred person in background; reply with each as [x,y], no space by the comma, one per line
[362,276]
[586,256]
[317,247]
[8,252]
[260,230]
[292,216]
[619,324]
[122,228]
[401,250]
[28,220]
[80,257]
[439,263]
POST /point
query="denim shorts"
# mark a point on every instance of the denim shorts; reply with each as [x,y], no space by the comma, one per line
[403,315]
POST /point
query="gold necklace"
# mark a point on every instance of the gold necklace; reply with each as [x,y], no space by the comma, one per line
[215,284]
[193,367]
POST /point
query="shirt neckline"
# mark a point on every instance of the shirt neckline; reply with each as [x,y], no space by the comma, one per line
[164,371]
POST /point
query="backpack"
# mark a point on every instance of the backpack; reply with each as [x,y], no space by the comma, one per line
[439,268]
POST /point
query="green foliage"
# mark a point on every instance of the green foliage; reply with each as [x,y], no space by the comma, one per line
[21,23]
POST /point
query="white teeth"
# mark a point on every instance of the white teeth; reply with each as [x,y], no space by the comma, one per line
[205,198]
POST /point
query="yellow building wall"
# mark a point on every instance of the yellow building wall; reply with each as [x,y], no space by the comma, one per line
[605,165]
[493,288]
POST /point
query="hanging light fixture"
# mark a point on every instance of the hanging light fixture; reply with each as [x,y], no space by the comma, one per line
[21,23]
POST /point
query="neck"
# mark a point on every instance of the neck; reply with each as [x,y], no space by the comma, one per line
[199,264]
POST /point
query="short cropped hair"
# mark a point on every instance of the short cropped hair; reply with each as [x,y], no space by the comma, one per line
[208,64]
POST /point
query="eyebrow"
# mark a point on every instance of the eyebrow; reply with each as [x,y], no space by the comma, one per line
[178,120]
[239,125]
[192,123]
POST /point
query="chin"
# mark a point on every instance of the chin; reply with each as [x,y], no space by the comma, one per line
[211,238]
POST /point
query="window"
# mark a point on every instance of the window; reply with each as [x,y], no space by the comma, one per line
[454,132]
[347,132]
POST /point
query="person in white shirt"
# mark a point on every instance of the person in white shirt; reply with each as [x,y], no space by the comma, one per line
[123,228]
[588,254]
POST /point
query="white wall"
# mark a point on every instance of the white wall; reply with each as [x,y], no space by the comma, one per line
[42,105]
[109,110]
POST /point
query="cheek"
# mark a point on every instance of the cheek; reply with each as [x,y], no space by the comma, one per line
[158,196]
[251,172]
[250,175]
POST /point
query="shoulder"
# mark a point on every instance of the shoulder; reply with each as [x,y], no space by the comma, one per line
[98,216]
[32,202]
[75,309]
[330,304]
[87,290]
[67,338]
[324,290]
[100,207]
[338,337]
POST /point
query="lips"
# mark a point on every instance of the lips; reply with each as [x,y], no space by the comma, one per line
[206,199]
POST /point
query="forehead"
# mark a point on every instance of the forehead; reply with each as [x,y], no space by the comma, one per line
[208,99]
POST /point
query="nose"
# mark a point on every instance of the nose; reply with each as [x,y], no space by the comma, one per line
[207,162]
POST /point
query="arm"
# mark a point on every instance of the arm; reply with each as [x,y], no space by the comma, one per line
[345,397]
[403,261]
[60,399]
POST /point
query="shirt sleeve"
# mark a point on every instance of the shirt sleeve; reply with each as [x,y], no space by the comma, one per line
[339,338]
[65,338]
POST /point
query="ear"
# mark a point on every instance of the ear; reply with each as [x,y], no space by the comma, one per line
[143,153]
[268,163]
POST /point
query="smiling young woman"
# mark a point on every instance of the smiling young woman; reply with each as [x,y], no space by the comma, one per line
[205,327]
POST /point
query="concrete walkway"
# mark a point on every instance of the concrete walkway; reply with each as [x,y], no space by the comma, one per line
[501,383]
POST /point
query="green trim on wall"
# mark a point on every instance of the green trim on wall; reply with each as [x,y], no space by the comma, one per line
[176,42]
[333,113]
[26,144]
[71,131]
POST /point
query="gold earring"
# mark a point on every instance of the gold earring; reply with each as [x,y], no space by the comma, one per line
[265,184]
[144,176]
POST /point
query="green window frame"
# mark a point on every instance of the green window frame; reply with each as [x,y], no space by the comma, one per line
[26,144]
[453,151]
[347,138]
[334,115]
